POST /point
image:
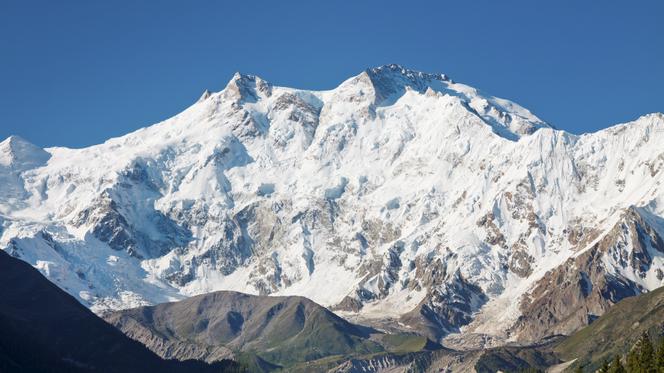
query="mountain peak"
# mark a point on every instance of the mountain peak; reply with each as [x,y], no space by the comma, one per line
[391,81]
[659,115]
[20,153]
[652,122]
[206,94]
[13,140]
[385,85]
[655,117]
[396,71]
[247,88]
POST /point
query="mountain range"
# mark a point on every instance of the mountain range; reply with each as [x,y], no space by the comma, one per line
[400,200]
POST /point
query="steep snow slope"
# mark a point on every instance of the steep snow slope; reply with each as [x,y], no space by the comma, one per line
[397,195]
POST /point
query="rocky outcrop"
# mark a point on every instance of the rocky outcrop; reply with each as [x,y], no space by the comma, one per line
[446,307]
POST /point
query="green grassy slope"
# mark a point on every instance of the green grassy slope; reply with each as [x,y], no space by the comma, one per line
[265,333]
[615,331]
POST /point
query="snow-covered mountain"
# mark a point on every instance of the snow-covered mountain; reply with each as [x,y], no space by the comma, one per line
[398,198]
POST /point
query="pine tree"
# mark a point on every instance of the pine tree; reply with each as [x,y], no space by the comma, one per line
[646,354]
[616,366]
[633,365]
[605,367]
[659,357]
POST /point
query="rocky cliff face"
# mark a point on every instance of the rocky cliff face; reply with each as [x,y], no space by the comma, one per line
[398,195]
[621,263]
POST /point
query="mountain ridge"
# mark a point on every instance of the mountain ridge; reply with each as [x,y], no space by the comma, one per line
[45,329]
[279,331]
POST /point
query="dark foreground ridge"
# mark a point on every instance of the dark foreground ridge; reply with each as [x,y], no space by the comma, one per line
[46,330]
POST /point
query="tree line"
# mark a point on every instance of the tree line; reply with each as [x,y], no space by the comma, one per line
[643,357]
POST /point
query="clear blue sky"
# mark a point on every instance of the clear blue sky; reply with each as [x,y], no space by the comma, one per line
[74,73]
